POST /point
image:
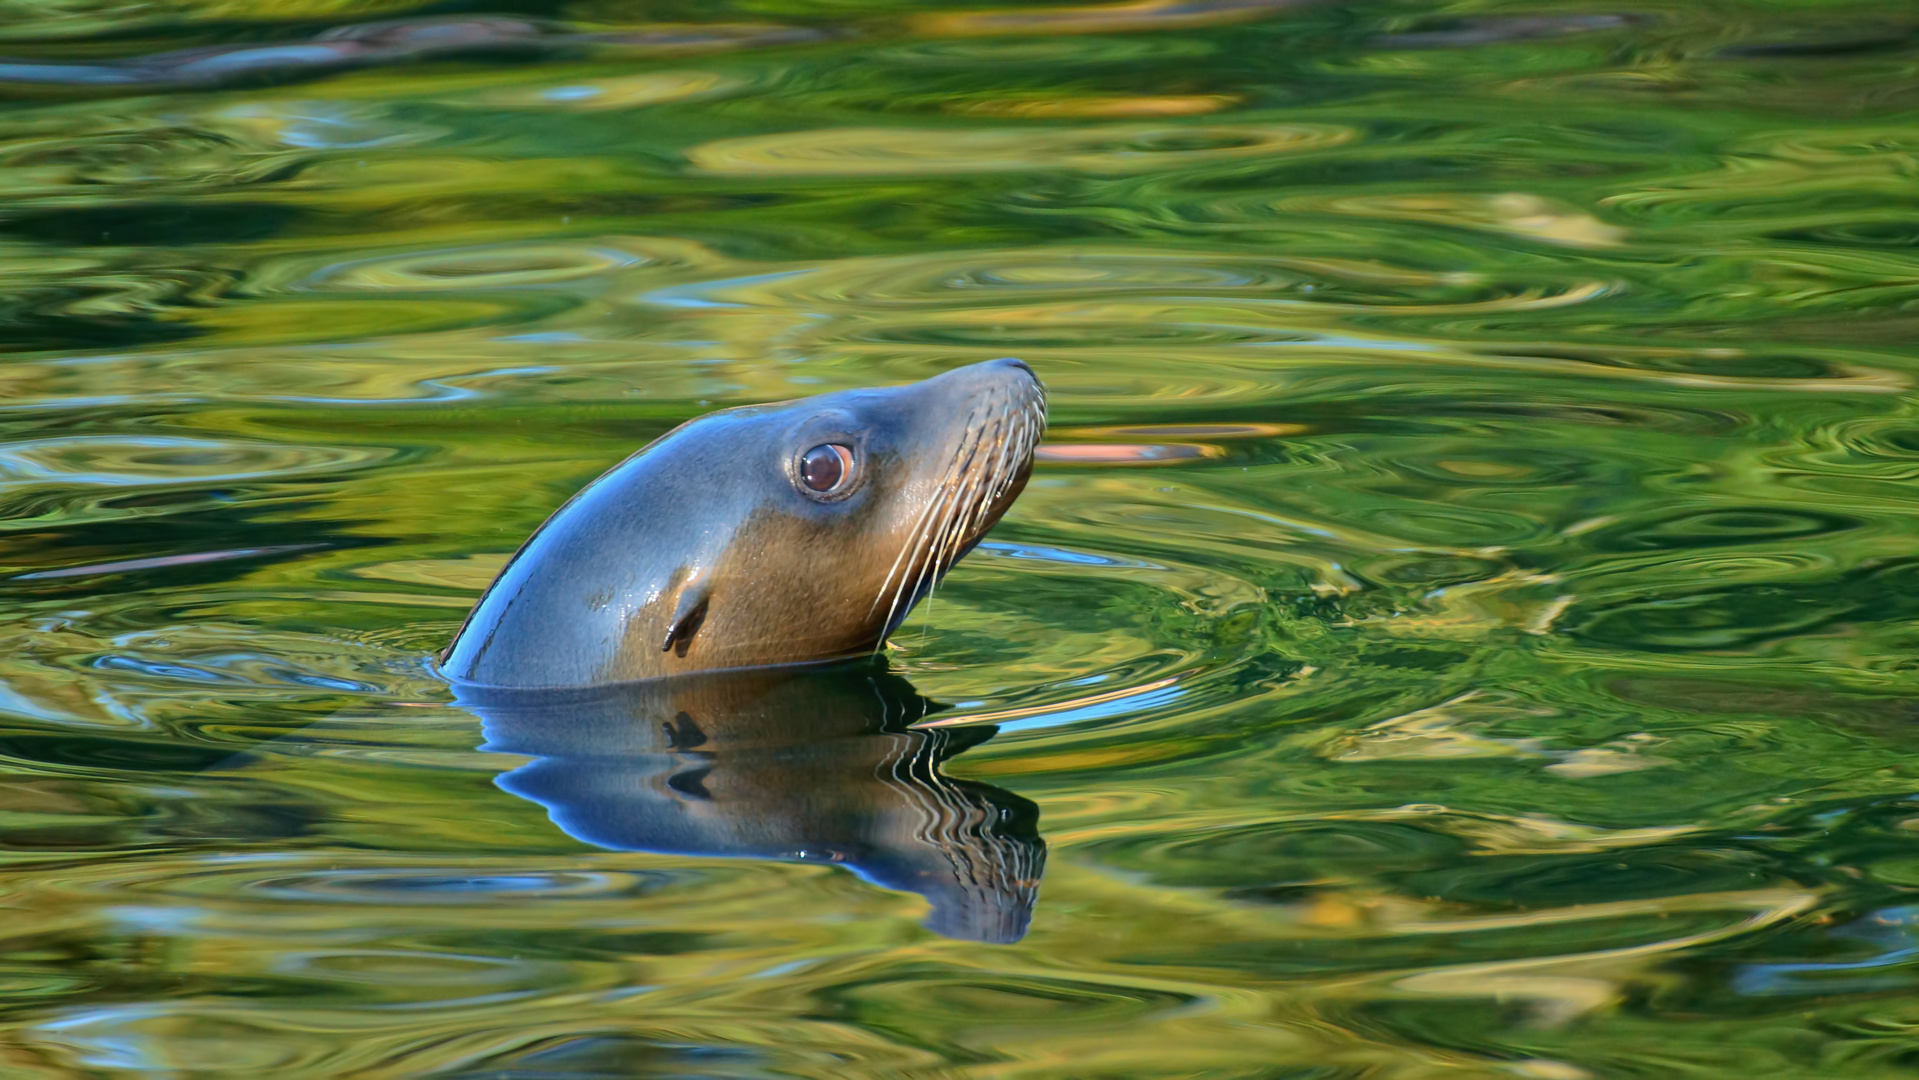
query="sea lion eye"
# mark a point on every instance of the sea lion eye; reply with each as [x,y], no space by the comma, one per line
[825,467]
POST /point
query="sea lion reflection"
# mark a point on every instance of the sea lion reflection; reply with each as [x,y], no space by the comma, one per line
[778,764]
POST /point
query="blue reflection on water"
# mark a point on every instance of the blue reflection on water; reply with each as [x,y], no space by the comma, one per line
[1039,553]
[1890,928]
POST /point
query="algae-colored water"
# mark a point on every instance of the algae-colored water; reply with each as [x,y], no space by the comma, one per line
[1463,625]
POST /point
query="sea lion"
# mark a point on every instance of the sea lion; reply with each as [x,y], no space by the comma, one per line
[798,764]
[769,534]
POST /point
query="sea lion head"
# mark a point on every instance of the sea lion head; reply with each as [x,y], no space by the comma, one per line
[770,534]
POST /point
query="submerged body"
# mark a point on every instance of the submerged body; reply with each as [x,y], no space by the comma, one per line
[774,534]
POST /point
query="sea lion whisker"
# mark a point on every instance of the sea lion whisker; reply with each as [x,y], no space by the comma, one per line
[926,539]
[910,589]
[953,466]
[994,483]
[915,538]
[1001,475]
[956,508]
[969,476]
[946,504]
[911,594]
[949,527]
[988,494]
[989,476]
[973,488]
[960,517]
[1013,446]
[905,548]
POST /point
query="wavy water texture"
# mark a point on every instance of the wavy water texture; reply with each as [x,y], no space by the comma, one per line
[1461,623]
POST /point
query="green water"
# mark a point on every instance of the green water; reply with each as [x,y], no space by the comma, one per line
[1464,624]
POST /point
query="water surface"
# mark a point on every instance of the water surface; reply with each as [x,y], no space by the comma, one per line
[1463,624]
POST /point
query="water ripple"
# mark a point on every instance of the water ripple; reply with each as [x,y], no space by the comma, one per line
[905,152]
[1461,622]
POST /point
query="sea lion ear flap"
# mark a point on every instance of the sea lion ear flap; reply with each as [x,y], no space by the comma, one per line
[688,614]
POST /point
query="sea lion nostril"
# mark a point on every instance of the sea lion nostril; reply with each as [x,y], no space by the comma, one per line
[825,466]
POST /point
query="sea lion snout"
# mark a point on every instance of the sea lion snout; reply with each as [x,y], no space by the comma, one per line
[771,534]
